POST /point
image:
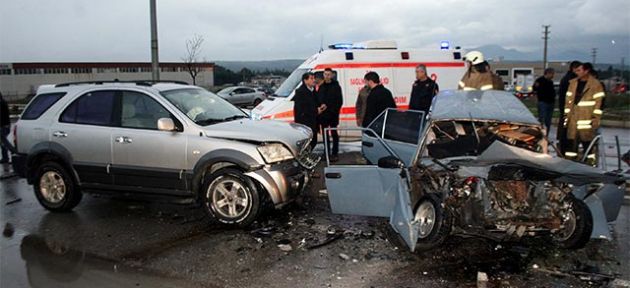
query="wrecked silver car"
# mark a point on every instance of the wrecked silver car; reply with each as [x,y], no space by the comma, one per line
[478,166]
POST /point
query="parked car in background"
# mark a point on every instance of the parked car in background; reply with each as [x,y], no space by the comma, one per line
[162,141]
[477,166]
[242,95]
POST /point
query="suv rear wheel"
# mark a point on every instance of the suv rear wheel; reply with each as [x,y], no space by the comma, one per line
[230,197]
[55,189]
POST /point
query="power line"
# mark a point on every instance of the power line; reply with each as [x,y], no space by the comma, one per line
[546,38]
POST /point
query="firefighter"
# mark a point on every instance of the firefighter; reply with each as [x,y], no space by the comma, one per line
[479,76]
[561,134]
[583,113]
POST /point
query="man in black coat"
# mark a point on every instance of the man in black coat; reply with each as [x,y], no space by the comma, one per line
[306,108]
[546,94]
[5,129]
[378,100]
[561,133]
[423,91]
[329,95]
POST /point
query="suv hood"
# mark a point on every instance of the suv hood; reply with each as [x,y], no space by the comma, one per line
[291,135]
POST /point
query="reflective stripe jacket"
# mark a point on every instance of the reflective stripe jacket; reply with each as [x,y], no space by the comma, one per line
[583,118]
[473,80]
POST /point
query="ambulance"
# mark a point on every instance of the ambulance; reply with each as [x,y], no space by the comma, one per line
[350,62]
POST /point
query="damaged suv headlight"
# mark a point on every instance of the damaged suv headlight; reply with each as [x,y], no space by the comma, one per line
[274,152]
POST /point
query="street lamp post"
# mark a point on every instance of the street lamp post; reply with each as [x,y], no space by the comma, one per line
[155,66]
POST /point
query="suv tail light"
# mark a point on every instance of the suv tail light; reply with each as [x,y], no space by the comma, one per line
[15,137]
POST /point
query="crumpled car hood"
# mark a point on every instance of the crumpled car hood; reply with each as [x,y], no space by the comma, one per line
[570,171]
[261,132]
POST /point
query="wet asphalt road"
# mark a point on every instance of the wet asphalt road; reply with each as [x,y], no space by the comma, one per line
[109,242]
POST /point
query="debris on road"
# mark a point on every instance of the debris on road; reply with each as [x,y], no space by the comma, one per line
[344,256]
[482,280]
[328,240]
[8,230]
[13,201]
[285,247]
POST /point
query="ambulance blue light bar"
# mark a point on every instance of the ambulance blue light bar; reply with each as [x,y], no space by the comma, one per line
[444,45]
[346,46]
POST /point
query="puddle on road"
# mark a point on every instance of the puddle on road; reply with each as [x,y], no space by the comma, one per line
[39,261]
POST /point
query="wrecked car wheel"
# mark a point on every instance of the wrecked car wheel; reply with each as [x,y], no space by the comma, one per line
[55,188]
[434,222]
[577,225]
[230,197]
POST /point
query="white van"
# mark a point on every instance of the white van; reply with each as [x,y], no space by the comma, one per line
[396,67]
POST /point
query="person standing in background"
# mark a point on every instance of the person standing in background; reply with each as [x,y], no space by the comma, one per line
[360,104]
[379,99]
[329,95]
[422,91]
[561,133]
[546,94]
[5,126]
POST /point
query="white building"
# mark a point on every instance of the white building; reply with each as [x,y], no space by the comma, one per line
[20,80]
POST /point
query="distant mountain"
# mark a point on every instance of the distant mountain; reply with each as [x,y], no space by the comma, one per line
[287,65]
[496,52]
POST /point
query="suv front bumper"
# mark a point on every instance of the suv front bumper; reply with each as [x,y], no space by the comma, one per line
[283,181]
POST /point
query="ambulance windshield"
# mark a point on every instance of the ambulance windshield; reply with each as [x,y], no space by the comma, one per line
[291,83]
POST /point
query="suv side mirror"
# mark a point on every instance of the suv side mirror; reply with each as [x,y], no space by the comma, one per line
[390,162]
[166,124]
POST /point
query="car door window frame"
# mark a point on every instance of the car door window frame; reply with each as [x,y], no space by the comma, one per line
[420,129]
[178,124]
[362,129]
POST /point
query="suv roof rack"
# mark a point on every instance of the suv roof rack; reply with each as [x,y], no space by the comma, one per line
[137,82]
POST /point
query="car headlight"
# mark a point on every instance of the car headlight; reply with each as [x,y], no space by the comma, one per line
[274,152]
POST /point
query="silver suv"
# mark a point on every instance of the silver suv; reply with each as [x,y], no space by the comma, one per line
[164,140]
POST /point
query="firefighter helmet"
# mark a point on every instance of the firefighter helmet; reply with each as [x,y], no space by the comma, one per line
[474,57]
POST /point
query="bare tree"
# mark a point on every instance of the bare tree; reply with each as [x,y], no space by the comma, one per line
[193,49]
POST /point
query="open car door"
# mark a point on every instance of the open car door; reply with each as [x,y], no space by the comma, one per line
[379,190]
[399,129]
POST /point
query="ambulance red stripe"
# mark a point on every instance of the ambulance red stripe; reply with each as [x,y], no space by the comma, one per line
[388,65]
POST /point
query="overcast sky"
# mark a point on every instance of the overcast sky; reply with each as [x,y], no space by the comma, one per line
[118,30]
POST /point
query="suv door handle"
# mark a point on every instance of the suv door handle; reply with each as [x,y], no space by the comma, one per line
[60,134]
[123,139]
[333,175]
[367,144]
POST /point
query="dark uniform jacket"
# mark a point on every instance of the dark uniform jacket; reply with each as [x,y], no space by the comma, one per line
[378,101]
[422,94]
[4,114]
[330,94]
[544,90]
[305,107]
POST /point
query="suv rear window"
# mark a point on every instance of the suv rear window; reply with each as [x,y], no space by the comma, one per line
[40,104]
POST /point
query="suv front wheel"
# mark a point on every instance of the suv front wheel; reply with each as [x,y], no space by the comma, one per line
[55,188]
[230,197]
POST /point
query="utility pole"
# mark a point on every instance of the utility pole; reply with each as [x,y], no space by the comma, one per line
[594,55]
[155,66]
[546,38]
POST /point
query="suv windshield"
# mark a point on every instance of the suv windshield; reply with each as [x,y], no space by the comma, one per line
[289,85]
[203,107]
